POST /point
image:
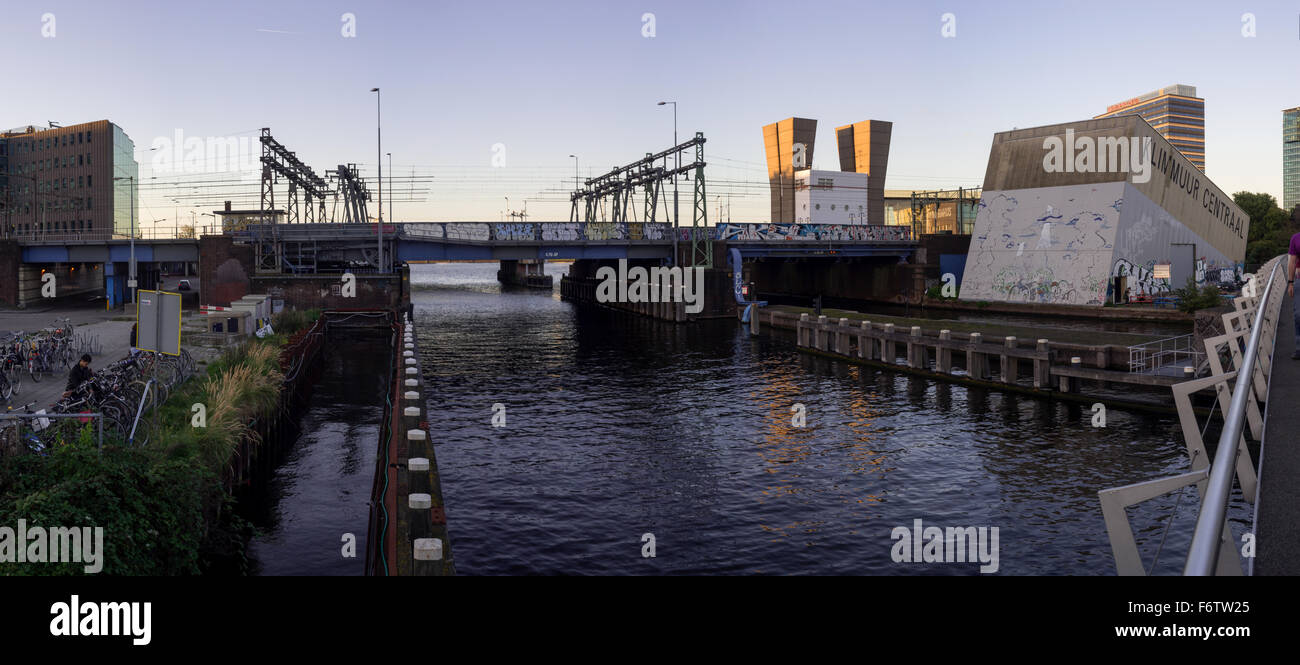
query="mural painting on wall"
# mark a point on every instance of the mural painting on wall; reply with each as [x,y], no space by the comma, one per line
[812,232]
[516,231]
[1142,279]
[562,231]
[1044,286]
[1053,254]
[646,230]
[468,231]
[604,231]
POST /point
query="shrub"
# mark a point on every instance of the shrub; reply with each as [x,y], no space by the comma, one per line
[1191,298]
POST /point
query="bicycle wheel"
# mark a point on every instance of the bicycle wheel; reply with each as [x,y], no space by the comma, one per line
[33,370]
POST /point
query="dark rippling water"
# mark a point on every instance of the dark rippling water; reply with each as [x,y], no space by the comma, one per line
[321,489]
[617,426]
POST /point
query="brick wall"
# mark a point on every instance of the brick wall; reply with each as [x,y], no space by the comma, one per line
[10,258]
[325,291]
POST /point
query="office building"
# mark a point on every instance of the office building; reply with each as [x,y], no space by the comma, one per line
[74,181]
[1291,158]
[1176,113]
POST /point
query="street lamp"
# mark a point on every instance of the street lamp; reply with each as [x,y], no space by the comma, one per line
[130,280]
[379,231]
[576,186]
[677,159]
[390,186]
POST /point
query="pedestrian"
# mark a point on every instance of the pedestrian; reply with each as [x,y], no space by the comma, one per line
[133,325]
[80,374]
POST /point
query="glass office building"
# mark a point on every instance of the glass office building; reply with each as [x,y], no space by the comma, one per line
[1176,113]
[126,183]
[61,180]
[1291,158]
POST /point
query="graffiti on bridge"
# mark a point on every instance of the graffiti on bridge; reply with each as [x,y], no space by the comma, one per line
[840,232]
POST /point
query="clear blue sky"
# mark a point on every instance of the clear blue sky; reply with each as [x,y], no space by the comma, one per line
[551,79]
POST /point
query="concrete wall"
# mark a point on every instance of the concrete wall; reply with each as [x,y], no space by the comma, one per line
[881,279]
[1016,162]
[778,141]
[1148,235]
[325,291]
[1044,245]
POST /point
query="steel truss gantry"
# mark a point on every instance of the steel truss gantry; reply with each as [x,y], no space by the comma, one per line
[354,192]
[278,163]
[609,197]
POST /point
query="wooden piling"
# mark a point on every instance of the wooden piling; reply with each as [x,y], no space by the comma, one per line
[916,354]
[943,354]
[1043,368]
[889,354]
[975,359]
[1009,366]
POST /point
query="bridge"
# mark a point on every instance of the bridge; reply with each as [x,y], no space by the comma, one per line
[311,248]
[1254,383]
[304,246]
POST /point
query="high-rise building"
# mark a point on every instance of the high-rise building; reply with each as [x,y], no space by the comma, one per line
[1291,158]
[789,145]
[74,180]
[1176,113]
[864,148]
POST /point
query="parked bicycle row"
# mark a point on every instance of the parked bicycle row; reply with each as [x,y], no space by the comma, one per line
[125,392]
[33,356]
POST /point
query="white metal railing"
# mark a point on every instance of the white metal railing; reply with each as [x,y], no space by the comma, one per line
[1240,361]
[1170,351]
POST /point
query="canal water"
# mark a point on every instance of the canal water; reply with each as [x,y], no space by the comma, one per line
[320,491]
[617,426]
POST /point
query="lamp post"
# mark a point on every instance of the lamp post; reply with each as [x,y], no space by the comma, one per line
[390,185]
[677,160]
[379,137]
[576,186]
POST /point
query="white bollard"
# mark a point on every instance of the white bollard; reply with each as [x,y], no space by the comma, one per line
[428,549]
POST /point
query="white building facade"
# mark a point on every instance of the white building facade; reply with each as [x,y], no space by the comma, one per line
[830,197]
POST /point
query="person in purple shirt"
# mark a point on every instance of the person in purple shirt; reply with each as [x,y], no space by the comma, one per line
[1293,255]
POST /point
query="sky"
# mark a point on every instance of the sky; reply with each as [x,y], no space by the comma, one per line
[530,83]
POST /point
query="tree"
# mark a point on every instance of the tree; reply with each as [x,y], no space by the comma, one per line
[1271,227]
[186,231]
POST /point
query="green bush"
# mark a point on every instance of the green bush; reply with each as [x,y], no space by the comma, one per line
[163,507]
[1191,298]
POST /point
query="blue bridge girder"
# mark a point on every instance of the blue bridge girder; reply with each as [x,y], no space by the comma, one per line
[452,241]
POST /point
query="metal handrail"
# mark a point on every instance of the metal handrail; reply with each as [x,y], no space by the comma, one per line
[1203,556]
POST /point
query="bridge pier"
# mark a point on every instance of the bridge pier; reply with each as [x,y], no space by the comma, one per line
[524,272]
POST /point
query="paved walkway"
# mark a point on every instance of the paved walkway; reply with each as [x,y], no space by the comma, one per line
[1277,531]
